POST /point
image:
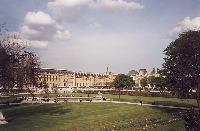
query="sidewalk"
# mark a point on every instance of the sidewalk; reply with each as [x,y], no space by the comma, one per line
[177,107]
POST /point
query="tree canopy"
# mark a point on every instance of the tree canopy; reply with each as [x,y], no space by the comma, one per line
[182,64]
[122,81]
[18,67]
[144,82]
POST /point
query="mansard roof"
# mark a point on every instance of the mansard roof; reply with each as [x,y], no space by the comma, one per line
[133,73]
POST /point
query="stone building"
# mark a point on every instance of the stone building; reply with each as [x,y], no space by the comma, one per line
[65,78]
[137,76]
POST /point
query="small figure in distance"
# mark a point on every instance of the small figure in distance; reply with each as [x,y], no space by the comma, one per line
[153,103]
[141,102]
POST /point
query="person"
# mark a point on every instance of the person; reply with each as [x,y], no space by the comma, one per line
[153,103]
[141,102]
[7,103]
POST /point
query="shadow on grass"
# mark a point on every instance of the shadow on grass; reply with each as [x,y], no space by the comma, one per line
[8,106]
[12,112]
[168,110]
[166,102]
[171,103]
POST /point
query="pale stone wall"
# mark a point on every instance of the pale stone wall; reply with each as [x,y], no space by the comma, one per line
[64,78]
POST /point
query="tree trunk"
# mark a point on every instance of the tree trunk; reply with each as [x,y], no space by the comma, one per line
[119,93]
[198,96]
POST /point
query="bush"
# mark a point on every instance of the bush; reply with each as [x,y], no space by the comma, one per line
[192,120]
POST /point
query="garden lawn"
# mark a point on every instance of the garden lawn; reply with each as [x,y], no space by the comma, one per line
[158,100]
[124,98]
[177,126]
[73,116]
[137,99]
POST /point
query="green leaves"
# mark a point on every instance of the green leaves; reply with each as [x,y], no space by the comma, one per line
[144,82]
[182,63]
[122,81]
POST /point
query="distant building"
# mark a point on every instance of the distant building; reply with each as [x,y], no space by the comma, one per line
[65,78]
[137,76]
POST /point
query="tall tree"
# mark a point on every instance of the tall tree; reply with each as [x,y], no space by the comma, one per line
[161,82]
[182,64]
[144,82]
[17,66]
[152,81]
[123,81]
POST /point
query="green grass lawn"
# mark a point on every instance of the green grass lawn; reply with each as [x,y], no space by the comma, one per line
[73,116]
[86,116]
[178,126]
[149,100]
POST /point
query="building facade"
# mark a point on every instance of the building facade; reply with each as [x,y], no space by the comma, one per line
[137,76]
[64,78]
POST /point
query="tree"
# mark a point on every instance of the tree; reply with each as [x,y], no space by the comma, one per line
[152,81]
[160,82]
[18,67]
[123,81]
[144,82]
[182,64]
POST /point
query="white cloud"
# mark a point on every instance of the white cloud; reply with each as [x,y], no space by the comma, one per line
[38,18]
[26,32]
[74,10]
[35,43]
[115,5]
[65,35]
[185,25]
[39,26]
[67,3]
[39,29]
[68,10]
[26,42]
[94,25]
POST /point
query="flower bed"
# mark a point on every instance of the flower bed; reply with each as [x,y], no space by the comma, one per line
[146,124]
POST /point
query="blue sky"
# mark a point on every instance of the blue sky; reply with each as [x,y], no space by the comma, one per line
[91,35]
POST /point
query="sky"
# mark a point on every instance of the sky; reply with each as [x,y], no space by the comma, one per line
[91,35]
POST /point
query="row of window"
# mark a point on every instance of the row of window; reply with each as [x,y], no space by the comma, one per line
[93,84]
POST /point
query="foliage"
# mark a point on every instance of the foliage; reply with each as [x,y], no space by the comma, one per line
[122,81]
[152,80]
[144,82]
[192,120]
[18,67]
[181,66]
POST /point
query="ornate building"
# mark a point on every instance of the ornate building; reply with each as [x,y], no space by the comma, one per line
[137,76]
[65,78]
